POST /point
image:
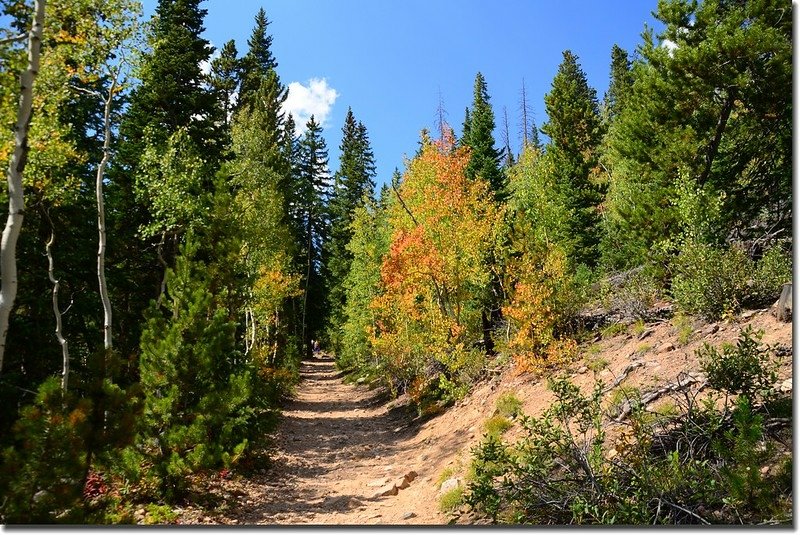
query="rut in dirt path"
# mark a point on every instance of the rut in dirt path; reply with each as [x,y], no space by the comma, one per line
[333,442]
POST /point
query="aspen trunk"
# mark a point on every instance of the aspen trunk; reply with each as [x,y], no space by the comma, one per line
[101,218]
[57,309]
[16,166]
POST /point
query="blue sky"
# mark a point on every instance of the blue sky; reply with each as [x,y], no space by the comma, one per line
[390,61]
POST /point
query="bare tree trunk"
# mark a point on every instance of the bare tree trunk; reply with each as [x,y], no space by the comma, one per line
[524,109]
[16,166]
[101,216]
[57,309]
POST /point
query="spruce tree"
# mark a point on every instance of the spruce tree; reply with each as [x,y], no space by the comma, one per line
[620,84]
[313,192]
[479,136]
[173,95]
[353,183]
[575,132]
[259,59]
[173,92]
[225,74]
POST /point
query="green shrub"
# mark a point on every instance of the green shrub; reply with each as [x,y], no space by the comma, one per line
[508,404]
[709,281]
[688,464]
[450,500]
[749,368]
[772,271]
[497,425]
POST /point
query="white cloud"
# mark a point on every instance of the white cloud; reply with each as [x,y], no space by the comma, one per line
[669,45]
[315,99]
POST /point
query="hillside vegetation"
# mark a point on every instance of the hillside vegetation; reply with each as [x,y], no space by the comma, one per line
[187,246]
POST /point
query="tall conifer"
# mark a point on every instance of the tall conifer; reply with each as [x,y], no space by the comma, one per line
[575,132]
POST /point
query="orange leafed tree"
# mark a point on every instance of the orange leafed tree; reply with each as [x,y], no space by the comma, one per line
[443,228]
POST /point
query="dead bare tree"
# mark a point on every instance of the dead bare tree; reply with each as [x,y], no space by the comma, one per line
[16,167]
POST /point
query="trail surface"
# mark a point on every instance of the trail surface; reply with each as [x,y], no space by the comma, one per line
[338,446]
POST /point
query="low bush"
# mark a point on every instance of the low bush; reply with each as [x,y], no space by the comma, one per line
[509,405]
[700,461]
[709,281]
[715,282]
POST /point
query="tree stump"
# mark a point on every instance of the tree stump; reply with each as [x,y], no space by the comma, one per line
[783,306]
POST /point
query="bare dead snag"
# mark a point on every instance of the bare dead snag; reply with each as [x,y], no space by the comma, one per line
[16,167]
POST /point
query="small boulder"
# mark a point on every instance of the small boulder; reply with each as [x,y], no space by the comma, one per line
[408,515]
[786,385]
[449,484]
[388,490]
[583,369]
[667,347]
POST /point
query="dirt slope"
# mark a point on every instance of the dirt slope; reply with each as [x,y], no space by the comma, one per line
[340,445]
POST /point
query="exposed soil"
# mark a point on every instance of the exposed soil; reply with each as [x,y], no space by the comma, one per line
[340,445]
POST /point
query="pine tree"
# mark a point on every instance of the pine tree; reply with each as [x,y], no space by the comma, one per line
[353,184]
[173,92]
[225,74]
[193,390]
[259,59]
[620,84]
[575,132]
[313,192]
[479,136]
[712,114]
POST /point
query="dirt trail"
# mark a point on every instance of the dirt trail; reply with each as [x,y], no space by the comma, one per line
[337,447]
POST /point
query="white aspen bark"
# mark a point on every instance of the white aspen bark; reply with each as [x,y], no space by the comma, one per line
[247,330]
[57,310]
[101,217]
[252,329]
[16,166]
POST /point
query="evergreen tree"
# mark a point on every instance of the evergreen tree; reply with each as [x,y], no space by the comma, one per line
[479,136]
[711,113]
[259,59]
[575,132]
[313,192]
[193,389]
[173,92]
[353,184]
[173,95]
[620,84]
[225,75]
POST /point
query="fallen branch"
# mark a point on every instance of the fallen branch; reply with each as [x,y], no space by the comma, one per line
[654,395]
[628,369]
